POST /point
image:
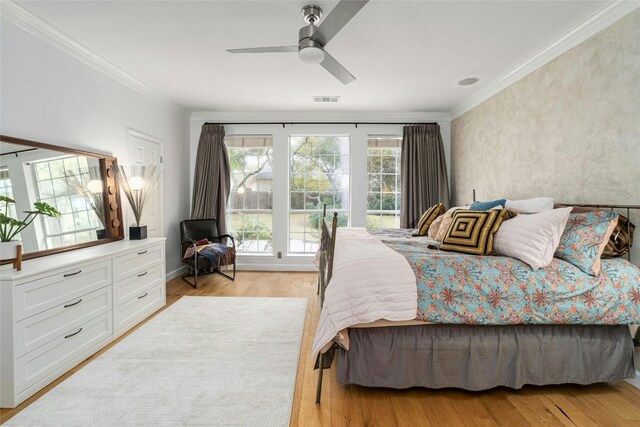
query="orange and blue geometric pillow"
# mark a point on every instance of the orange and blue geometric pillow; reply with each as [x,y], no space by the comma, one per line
[472,232]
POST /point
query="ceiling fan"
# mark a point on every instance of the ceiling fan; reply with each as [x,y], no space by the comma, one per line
[312,39]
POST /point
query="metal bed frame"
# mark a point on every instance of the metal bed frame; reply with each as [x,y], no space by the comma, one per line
[325,271]
[327,250]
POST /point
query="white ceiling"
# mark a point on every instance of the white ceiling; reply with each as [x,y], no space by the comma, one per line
[406,55]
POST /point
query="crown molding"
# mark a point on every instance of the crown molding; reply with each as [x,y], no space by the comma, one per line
[597,22]
[322,116]
[46,32]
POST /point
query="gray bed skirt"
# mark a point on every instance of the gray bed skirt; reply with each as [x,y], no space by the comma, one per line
[483,357]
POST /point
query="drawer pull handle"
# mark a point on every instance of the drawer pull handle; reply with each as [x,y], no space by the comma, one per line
[142,253]
[75,333]
[72,274]
[142,296]
[74,303]
[143,274]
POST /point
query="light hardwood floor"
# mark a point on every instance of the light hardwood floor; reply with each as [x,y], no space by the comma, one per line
[615,404]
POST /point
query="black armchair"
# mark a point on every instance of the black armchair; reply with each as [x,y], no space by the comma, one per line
[192,230]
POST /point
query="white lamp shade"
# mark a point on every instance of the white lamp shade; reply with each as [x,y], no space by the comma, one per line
[94,186]
[311,55]
[136,183]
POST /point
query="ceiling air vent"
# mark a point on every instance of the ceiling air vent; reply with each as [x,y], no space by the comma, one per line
[326,98]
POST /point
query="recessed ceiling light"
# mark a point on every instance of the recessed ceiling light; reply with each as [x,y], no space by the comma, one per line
[468,81]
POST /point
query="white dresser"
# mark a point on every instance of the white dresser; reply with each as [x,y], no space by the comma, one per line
[61,309]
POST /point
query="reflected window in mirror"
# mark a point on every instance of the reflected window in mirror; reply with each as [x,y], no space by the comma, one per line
[6,189]
[64,182]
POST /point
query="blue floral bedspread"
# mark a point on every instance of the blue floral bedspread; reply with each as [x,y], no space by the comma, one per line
[496,290]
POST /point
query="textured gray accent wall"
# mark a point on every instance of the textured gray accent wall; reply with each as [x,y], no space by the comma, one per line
[569,130]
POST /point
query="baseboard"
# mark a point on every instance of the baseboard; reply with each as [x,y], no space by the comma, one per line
[272,266]
[255,267]
[175,273]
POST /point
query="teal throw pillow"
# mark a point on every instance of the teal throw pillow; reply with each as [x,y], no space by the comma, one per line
[485,206]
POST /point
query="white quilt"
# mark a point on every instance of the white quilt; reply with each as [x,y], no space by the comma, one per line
[370,282]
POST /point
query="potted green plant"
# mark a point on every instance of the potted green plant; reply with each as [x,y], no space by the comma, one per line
[10,227]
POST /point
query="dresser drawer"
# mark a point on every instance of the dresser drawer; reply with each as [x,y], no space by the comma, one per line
[62,286]
[135,261]
[54,355]
[139,307]
[133,286]
[38,330]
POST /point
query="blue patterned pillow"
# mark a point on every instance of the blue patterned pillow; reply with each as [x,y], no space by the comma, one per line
[584,239]
[485,206]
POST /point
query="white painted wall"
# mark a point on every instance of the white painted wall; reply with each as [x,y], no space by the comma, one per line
[49,96]
[281,135]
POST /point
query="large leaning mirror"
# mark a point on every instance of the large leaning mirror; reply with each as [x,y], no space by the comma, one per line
[79,184]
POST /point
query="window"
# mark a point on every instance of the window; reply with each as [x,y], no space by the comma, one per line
[383,172]
[319,174]
[78,221]
[6,189]
[249,214]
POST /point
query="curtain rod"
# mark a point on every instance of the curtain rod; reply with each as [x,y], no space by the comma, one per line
[17,152]
[320,123]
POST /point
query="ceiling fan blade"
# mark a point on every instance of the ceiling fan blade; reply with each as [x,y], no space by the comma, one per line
[338,18]
[339,72]
[272,49]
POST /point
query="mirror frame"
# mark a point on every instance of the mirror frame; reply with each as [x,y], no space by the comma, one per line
[113,214]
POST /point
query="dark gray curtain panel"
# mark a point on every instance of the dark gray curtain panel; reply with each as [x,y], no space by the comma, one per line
[211,180]
[423,171]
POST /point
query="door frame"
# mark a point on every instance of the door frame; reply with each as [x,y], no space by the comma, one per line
[130,132]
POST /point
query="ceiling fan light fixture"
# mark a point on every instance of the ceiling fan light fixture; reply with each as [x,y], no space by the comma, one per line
[312,39]
[311,55]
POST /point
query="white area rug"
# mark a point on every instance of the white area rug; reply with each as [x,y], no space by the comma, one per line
[204,361]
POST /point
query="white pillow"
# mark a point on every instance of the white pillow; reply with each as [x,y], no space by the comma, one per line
[532,238]
[537,204]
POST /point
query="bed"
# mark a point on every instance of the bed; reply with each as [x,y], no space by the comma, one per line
[447,319]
